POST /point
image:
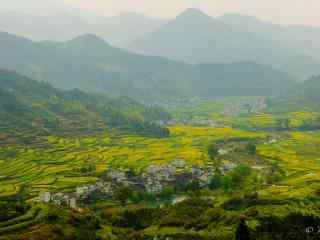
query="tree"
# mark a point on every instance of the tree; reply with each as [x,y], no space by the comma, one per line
[215,181]
[213,151]
[284,123]
[226,183]
[167,193]
[251,149]
[149,197]
[135,197]
[193,186]
[239,175]
[242,231]
[122,194]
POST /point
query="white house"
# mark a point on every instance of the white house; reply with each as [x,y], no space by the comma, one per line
[72,202]
[44,197]
[180,163]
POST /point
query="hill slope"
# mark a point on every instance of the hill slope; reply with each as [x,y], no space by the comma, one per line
[302,97]
[89,63]
[30,106]
[294,37]
[195,37]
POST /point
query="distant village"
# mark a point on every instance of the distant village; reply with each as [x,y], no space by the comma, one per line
[242,106]
[192,122]
[152,180]
[245,106]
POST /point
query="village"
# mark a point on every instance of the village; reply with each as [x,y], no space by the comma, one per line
[153,180]
[244,106]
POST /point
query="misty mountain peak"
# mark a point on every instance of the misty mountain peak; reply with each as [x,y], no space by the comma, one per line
[192,13]
[89,39]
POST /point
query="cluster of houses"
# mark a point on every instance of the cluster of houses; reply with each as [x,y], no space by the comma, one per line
[82,193]
[58,199]
[152,180]
[175,103]
[192,122]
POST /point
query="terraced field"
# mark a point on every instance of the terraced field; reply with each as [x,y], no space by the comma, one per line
[298,155]
[262,119]
[32,217]
[56,163]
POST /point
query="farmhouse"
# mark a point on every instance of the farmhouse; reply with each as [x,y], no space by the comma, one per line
[117,176]
[153,186]
[196,171]
[180,163]
[44,197]
[227,166]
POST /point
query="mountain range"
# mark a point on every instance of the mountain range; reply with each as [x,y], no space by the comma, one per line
[192,37]
[91,64]
[119,30]
[305,39]
[195,37]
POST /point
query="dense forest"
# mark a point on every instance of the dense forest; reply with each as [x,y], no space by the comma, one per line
[28,105]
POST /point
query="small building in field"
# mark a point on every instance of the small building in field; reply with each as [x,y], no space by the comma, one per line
[72,203]
[45,197]
[153,186]
[153,169]
[58,198]
[180,163]
[196,171]
[118,176]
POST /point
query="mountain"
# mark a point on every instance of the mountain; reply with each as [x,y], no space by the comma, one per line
[311,89]
[196,38]
[304,38]
[36,107]
[240,79]
[124,28]
[118,30]
[91,64]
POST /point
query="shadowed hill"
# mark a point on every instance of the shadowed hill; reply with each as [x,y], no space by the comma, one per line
[37,107]
[91,64]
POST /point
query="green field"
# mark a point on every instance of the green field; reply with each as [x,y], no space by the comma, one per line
[55,163]
[282,188]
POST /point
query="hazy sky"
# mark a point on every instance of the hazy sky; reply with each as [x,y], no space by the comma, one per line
[278,11]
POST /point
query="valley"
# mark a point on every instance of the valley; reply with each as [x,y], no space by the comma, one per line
[99,172]
[138,127]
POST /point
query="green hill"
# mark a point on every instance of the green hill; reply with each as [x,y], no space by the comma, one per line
[302,97]
[31,106]
[311,89]
[91,64]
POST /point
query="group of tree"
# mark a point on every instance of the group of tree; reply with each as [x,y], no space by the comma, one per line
[125,194]
[27,104]
[233,180]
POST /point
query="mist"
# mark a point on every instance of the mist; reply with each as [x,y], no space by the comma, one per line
[287,12]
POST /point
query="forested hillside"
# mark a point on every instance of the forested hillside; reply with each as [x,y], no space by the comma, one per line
[37,107]
[91,64]
[303,96]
